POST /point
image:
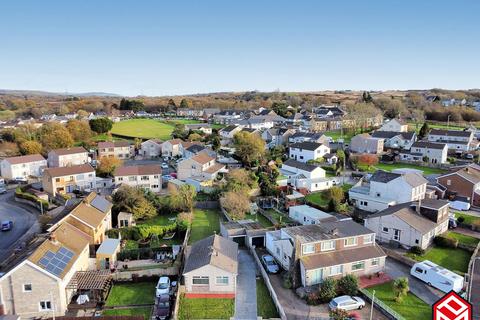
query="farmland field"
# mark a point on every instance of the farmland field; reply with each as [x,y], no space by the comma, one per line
[143,128]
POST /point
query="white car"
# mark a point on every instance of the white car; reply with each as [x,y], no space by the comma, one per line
[346,303]
[459,205]
[164,166]
[163,286]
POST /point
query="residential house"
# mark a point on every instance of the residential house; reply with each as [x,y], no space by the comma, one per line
[386,189]
[458,141]
[365,143]
[306,177]
[208,113]
[202,127]
[410,224]
[119,149]
[200,165]
[464,182]
[68,179]
[305,214]
[331,158]
[191,113]
[151,148]
[433,152]
[327,250]
[23,166]
[67,157]
[302,136]
[295,118]
[305,151]
[211,268]
[276,136]
[196,148]
[37,287]
[229,131]
[396,140]
[394,125]
[148,177]
[171,148]
[227,116]
[256,122]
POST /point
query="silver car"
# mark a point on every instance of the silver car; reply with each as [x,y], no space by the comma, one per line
[270,264]
[346,303]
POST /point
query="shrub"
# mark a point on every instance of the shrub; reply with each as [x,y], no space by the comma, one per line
[348,285]
[327,290]
[20,193]
[445,242]
[416,250]
[184,220]
[313,298]
[400,288]
[339,314]
[460,219]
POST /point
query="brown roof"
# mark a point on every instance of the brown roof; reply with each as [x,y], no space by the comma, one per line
[174,141]
[202,158]
[65,151]
[138,170]
[25,159]
[215,168]
[65,171]
[88,214]
[341,257]
[113,144]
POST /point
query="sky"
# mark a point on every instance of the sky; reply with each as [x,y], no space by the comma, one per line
[184,47]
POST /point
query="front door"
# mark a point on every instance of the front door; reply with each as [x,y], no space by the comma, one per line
[396,234]
[317,276]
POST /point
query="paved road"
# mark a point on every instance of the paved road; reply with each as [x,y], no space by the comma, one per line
[246,297]
[22,218]
[428,294]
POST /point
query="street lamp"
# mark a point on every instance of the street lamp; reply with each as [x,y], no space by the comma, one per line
[448,121]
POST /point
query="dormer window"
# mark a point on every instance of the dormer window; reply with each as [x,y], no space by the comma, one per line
[349,242]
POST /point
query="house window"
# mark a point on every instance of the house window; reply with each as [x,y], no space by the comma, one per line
[27,287]
[336,270]
[416,241]
[301,157]
[449,182]
[378,194]
[350,242]
[132,178]
[200,280]
[368,238]
[45,305]
[308,248]
[57,179]
[221,280]
[144,178]
[154,186]
[120,178]
[328,245]
[375,261]
[360,265]
[385,229]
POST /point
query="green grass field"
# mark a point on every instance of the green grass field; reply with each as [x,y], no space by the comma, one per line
[204,308]
[411,307]
[453,259]
[143,128]
[411,126]
[260,219]
[185,121]
[142,311]
[125,294]
[205,223]
[390,167]
[463,239]
[265,306]
[468,218]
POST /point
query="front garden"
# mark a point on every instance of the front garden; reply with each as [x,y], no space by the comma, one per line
[205,308]
[265,306]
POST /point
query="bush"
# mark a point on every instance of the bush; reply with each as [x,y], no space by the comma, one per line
[347,285]
[461,219]
[445,242]
[339,314]
[313,298]
[327,290]
[20,193]
[416,250]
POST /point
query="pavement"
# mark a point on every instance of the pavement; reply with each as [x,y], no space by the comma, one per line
[467,232]
[246,297]
[23,218]
[422,290]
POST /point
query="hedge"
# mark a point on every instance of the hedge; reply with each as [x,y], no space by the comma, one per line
[19,193]
[443,241]
[141,231]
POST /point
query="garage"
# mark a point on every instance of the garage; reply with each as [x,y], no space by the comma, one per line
[240,240]
[258,241]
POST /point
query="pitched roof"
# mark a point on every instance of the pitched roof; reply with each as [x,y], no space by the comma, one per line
[229,128]
[300,165]
[65,151]
[384,176]
[202,158]
[113,144]
[146,169]
[195,148]
[66,171]
[24,159]
[428,145]
[450,133]
[216,167]
[307,145]
[470,173]
[391,134]
[214,250]
[327,230]
[414,179]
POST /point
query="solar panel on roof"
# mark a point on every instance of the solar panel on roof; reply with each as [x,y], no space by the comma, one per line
[100,203]
[55,263]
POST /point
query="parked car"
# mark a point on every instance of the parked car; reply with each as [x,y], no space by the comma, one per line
[163,286]
[164,165]
[346,303]
[20,180]
[163,307]
[270,265]
[452,222]
[3,189]
[7,225]
[167,177]
[459,205]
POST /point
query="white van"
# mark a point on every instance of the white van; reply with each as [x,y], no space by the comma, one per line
[437,276]
[459,205]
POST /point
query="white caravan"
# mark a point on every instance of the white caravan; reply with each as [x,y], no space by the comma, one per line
[437,276]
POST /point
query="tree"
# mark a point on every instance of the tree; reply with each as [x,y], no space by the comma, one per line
[216,143]
[80,130]
[179,131]
[348,285]
[194,137]
[280,108]
[133,200]
[101,125]
[327,290]
[183,198]
[184,104]
[366,97]
[250,148]
[339,314]
[400,288]
[171,105]
[236,204]
[30,147]
[134,105]
[82,114]
[268,183]
[107,166]
[54,136]
[240,180]
[341,158]
[424,130]
[336,194]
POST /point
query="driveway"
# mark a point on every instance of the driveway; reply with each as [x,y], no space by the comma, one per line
[246,297]
[23,219]
[428,294]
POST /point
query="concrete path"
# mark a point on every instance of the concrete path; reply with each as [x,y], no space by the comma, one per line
[246,298]
[467,232]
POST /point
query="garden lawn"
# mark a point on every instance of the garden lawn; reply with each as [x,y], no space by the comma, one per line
[411,307]
[319,198]
[159,220]
[453,259]
[205,308]
[205,223]
[468,219]
[426,170]
[125,294]
[411,126]
[185,121]
[335,135]
[143,311]
[265,306]
[280,218]
[463,239]
[260,218]
[143,128]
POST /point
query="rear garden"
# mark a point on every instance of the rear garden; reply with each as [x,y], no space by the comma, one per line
[393,166]
[322,198]
[130,299]
[205,308]
[205,223]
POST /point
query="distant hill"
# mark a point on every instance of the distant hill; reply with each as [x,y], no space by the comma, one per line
[55,94]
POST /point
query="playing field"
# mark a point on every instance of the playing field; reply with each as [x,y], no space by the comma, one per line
[143,128]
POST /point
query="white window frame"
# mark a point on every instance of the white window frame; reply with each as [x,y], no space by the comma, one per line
[308,246]
[336,267]
[355,242]
[27,284]
[369,238]
[385,231]
[375,262]
[46,303]
[222,283]
[201,278]
[331,245]
[358,263]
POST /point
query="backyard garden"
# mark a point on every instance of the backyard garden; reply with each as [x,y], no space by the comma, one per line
[130,299]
